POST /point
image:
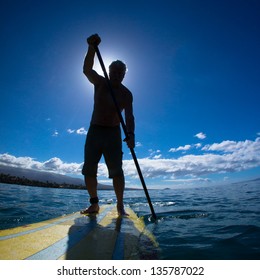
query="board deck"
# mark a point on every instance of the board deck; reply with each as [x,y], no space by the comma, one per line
[104,236]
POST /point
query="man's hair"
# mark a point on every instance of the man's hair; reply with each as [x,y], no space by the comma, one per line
[119,65]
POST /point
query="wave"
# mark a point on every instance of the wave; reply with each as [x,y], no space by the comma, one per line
[172,215]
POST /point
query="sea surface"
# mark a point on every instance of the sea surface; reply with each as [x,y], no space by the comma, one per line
[203,223]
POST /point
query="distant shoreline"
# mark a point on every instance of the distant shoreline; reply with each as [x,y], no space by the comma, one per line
[16,180]
[23,181]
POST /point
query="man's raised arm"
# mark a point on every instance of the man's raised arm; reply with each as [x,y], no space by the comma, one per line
[93,40]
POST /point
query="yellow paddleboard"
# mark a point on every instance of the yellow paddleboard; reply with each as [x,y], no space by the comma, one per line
[104,236]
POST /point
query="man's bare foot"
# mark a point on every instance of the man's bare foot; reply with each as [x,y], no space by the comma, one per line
[121,211]
[93,209]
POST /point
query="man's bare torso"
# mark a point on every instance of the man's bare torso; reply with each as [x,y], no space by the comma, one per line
[104,111]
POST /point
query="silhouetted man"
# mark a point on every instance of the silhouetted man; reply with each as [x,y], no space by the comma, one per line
[104,134]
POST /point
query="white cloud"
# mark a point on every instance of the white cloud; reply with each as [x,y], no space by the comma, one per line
[234,157]
[154,153]
[138,144]
[200,135]
[80,131]
[225,157]
[157,156]
[181,148]
[55,133]
[151,151]
[24,162]
[70,131]
[233,146]
[198,145]
[54,164]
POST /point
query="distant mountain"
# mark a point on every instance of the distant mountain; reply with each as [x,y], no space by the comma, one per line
[44,176]
[40,175]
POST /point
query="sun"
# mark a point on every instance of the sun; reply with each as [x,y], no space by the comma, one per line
[108,58]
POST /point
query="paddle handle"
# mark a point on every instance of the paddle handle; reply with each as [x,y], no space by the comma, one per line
[125,130]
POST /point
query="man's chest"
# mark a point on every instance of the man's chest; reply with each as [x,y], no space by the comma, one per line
[103,97]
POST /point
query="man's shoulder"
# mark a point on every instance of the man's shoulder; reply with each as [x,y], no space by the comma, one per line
[126,90]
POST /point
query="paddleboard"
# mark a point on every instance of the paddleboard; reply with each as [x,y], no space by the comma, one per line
[103,236]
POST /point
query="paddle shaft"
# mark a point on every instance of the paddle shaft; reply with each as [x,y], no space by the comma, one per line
[125,130]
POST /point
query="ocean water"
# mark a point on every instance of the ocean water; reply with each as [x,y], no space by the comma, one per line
[203,223]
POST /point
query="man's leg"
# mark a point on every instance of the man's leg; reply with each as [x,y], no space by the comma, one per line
[92,155]
[119,186]
[114,159]
[91,184]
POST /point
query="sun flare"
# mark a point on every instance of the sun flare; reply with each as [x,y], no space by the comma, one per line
[107,59]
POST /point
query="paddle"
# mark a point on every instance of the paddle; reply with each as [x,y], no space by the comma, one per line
[125,130]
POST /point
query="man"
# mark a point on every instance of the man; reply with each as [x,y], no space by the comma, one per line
[104,134]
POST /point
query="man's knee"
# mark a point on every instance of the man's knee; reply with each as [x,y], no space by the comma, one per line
[90,180]
[89,170]
[116,172]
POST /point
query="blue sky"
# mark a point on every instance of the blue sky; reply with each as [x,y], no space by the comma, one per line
[193,68]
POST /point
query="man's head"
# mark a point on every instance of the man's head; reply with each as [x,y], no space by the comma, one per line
[117,70]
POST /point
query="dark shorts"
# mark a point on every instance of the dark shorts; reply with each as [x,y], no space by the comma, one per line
[104,141]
